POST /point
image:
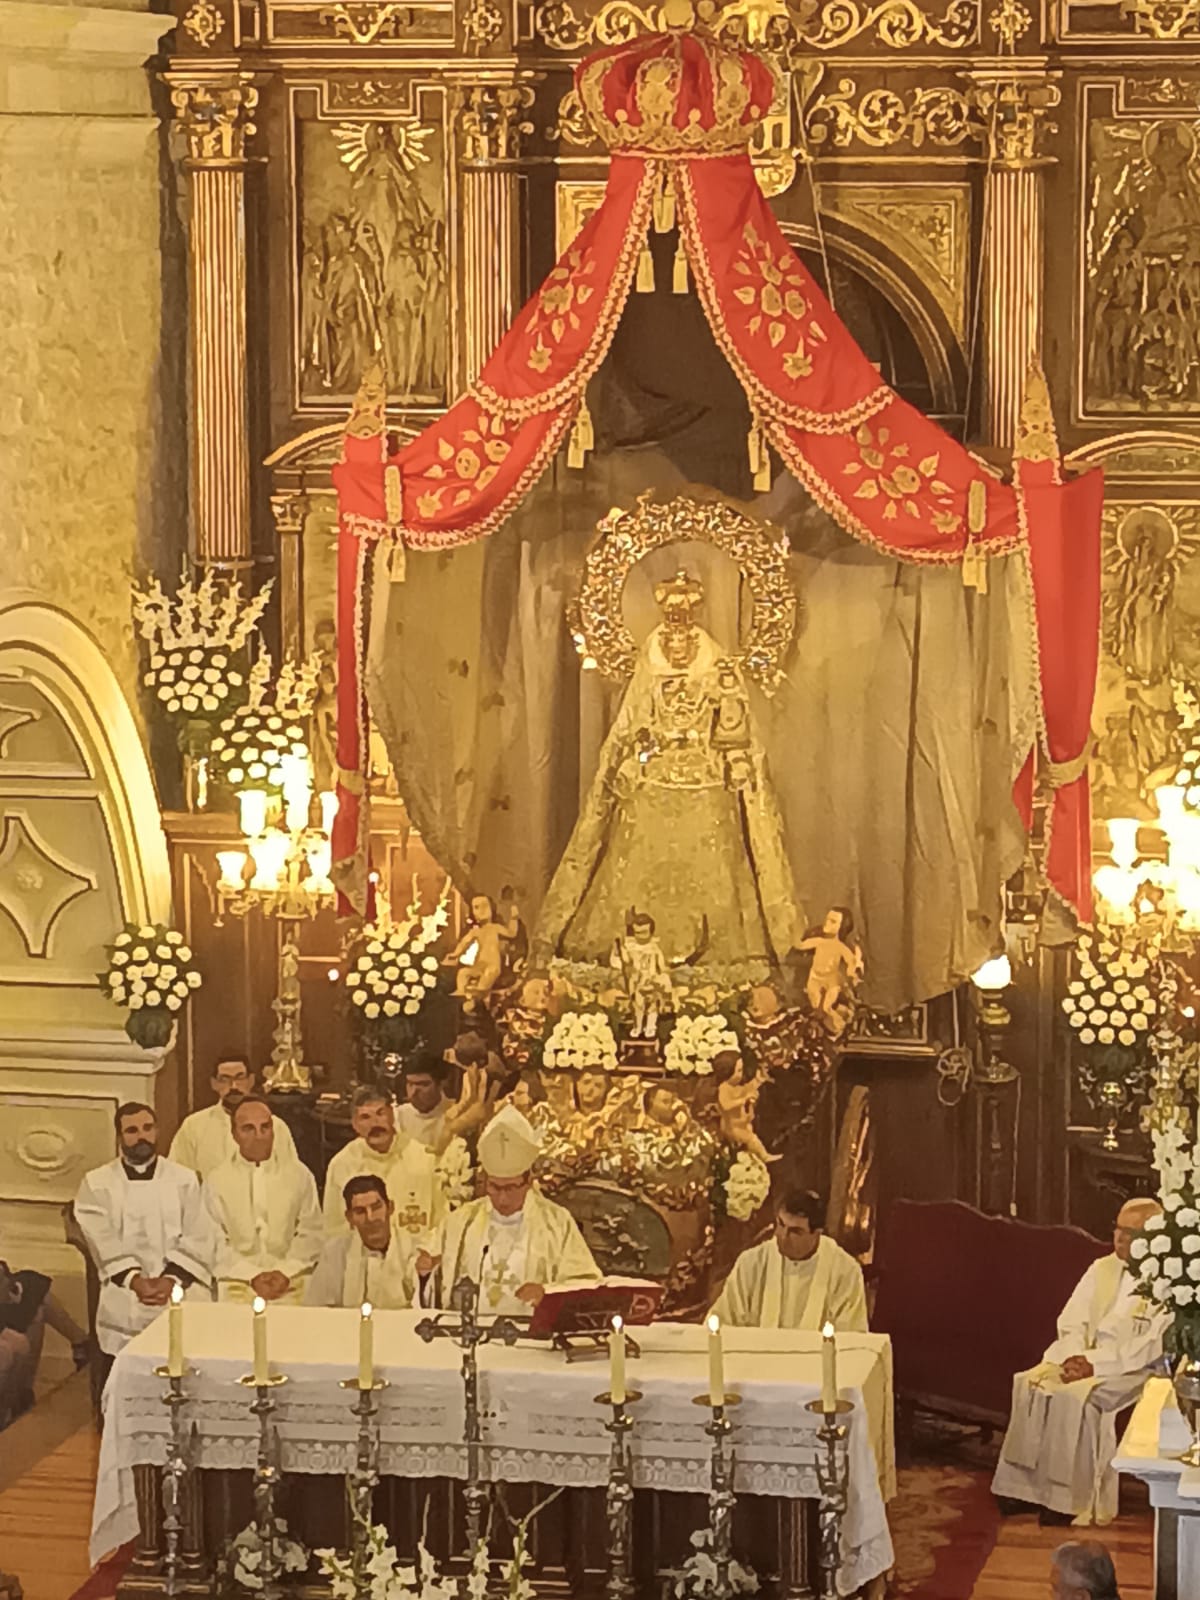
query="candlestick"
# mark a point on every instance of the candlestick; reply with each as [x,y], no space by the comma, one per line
[618,1499]
[616,1355]
[716,1363]
[262,1368]
[178,1464]
[366,1348]
[829,1383]
[175,1333]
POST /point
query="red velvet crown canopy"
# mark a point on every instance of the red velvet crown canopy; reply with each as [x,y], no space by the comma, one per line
[678,110]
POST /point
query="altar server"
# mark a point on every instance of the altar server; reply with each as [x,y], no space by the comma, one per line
[205,1139]
[375,1261]
[426,1104]
[407,1166]
[798,1278]
[146,1230]
[266,1213]
[512,1241]
[1061,1438]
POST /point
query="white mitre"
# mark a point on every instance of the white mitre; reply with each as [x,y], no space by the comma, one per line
[508,1146]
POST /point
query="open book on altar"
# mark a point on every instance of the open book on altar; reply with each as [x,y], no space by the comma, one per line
[590,1307]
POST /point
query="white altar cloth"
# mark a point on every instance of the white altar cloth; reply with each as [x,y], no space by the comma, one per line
[540,1422]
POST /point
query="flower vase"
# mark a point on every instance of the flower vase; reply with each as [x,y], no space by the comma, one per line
[153,1027]
[1186,1381]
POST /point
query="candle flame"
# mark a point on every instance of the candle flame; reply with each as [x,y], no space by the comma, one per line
[367,1308]
[714,1323]
[827,1331]
[260,1305]
[177,1295]
[617,1324]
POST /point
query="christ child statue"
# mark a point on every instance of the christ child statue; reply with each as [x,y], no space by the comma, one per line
[488,934]
[639,958]
[837,964]
[737,1096]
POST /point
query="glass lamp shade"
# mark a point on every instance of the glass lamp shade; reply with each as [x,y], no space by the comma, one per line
[994,976]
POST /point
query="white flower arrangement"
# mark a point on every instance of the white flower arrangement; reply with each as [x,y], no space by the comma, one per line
[152,974]
[247,1554]
[456,1173]
[581,1039]
[249,749]
[392,970]
[747,1186]
[388,1578]
[697,1579]
[695,1040]
[195,640]
[1110,1002]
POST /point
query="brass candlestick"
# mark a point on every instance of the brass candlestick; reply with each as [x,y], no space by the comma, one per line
[833,1481]
[618,1497]
[721,1498]
[175,1470]
[363,1477]
[266,1478]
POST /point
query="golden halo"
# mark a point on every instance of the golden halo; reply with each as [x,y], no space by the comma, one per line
[598,624]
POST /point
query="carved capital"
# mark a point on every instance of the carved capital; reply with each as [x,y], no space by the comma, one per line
[289,509]
[216,115]
[1013,106]
[491,122]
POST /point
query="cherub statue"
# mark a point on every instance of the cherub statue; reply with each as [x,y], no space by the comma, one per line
[737,1097]
[488,935]
[663,1112]
[639,958]
[837,965]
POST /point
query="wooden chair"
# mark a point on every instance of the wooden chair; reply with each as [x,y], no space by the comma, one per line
[97,1364]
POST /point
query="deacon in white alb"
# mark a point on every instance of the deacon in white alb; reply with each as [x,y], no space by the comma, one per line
[799,1278]
[512,1241]
[265,1211]
[146,1230]
[205,1139]
[1061,1438]
[375,1261]
[407,1167]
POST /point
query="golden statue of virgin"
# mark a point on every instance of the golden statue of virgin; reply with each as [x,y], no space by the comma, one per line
[680,822]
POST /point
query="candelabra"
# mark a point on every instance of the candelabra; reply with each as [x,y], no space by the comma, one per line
[266,1478]
[175,1471]
[468,1334]
[618,1499]
[721,1498]
[833,1482]
[363,1478]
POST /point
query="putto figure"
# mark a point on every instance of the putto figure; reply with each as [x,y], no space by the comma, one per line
[837,965]
[639,958]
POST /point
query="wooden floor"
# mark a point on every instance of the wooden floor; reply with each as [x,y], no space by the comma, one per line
[1019,1566]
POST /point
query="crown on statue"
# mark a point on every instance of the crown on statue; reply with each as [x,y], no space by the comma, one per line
[679,93]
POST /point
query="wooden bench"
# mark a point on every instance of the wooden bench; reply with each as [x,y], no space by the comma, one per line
[969,1300]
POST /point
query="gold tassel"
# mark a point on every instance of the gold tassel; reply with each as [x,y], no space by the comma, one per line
[393,498]
[583,437]
[679,282]
[664,207]
[645,271]
[977,506]
[398,561]
[981,572]
[760,458]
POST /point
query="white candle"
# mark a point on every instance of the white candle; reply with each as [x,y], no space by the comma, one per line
[716,1363]
[262,1370]
[616,1356]
[829,1383]
[175,1333]
[366,1348]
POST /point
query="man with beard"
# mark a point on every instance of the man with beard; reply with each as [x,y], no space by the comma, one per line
[145,1228]
[407,1167]
[205,1139]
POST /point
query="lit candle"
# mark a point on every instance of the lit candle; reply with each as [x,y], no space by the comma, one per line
[329,805]
[616,1356]
[262,1370]
[366,1348]
[716,1364]
[175,1333]
[233,867]
[829,1383]
[252,812]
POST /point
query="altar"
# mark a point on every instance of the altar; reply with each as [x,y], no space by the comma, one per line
[1155,1440]
[541,1425]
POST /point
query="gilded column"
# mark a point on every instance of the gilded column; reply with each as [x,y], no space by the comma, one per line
[1013,103]
[491,122]
[215,113]
[289,510]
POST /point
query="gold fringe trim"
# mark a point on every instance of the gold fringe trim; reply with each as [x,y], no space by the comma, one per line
[583,437]
[645,271]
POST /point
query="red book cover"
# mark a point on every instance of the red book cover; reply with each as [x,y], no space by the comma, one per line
[590,1307]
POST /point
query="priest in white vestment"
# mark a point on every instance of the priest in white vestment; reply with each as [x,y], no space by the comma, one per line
[265,1211]
[146,1230]
[375,1261]
[408,1168]
[205,1139]
[512,1241]
[426,1104]
[798,1278]
[1061,1438]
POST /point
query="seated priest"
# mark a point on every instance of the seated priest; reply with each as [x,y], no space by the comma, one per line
[375,1261]
[146,1229]
[512,1241]
[407,1167]
[205,1139]
[798,1278]
[1061,1438]
[265,1211]
[426,1104]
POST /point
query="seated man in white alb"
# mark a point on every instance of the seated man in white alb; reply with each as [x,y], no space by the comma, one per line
[426,1104]
[265,1211]
[407,1167]
[798,1278]
[375,1261]
[512,1241]
[205,1139]
[146,1230]
[1061,1438]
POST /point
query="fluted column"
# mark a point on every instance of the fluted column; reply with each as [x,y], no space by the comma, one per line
[215,115]
[491,123]
[1013,103]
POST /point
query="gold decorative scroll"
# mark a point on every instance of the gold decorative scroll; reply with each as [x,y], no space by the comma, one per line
[785,31]
[365,23]
[1166,20]
[882,117]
